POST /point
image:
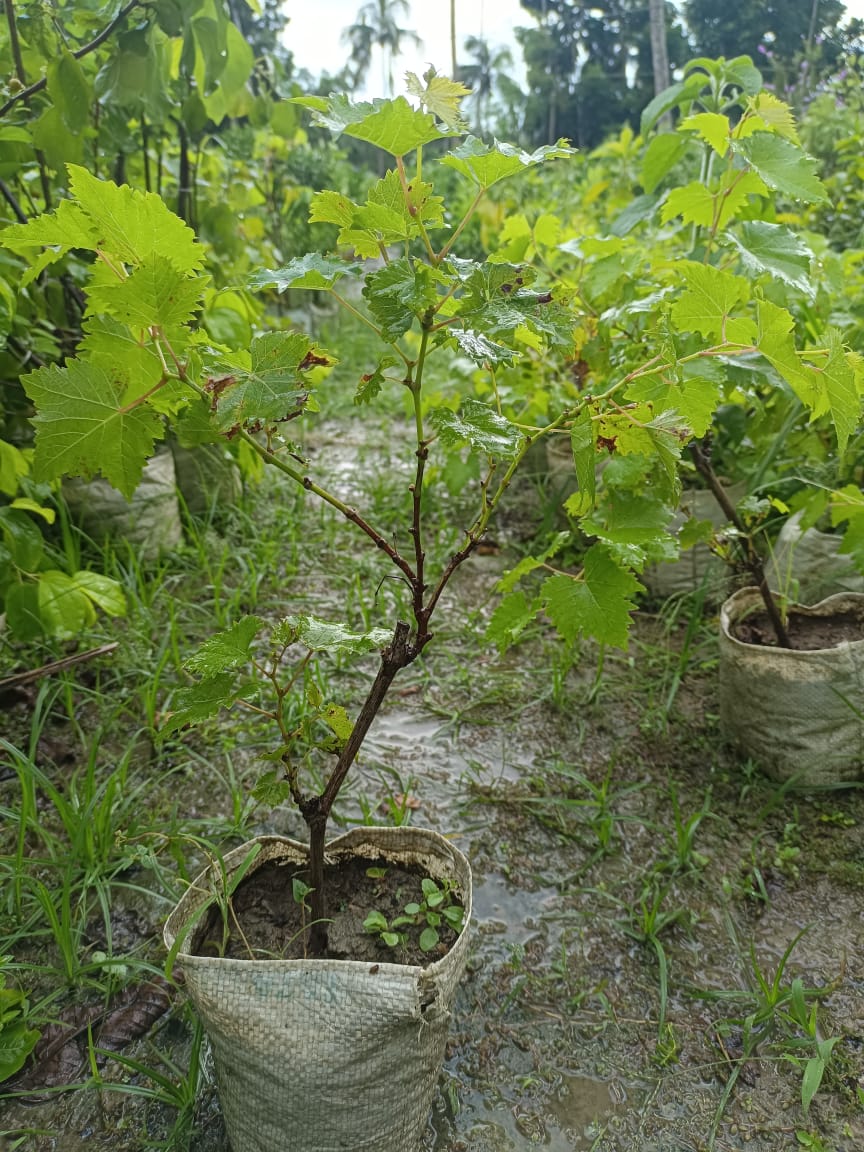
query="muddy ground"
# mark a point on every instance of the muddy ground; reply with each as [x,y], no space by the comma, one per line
[578,801]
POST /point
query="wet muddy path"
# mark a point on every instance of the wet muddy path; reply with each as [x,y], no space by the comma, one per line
[635,884]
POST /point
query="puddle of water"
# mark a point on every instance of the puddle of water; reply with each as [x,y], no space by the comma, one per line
[582,1103]
[512,914]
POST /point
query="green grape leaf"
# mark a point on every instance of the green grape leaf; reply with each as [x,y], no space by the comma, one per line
[83,427]
[338,721]
[512,577]
[783,166]
[133,225]
[57,232]
[707,304]
[694,396]
[112,346]
[321,636]
[510,619]
[395,127]
[479,425]
[271,789]
[203,700]
[583,441]
[836,386]
[397,294]
[776,114]
[712,127]
[225,650]
[481,349]
[660,157]
[309,271]
[386,214]
[696,204]
[777,345]
[439,95]
[597,603]
[486,164]
[628,518]
[265,385]
[372,382]
[775,249]
[640,433]
[105,593]
[328,207]
[154,295]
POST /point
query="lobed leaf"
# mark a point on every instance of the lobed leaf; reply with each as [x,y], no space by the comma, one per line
[310,271]
[267,386]
[225,650]
[774,248]
[134,225]
[479,425]
[83,426]
[202,701]
[597,603]
[321,636]
[783,166]
[707,304]
[485,165]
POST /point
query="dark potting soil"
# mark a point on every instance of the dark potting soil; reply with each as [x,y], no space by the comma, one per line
[274,925]
[806,633]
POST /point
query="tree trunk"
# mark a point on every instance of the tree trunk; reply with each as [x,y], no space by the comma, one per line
[454,67]
[659,52]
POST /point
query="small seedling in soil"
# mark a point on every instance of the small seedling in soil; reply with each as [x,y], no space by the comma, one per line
[436,907]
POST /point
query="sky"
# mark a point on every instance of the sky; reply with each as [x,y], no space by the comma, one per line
[315,28]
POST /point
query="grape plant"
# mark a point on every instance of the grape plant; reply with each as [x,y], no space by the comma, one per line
[639,349]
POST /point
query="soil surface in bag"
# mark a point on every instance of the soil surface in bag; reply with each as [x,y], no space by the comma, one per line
[806,633]
[267,923]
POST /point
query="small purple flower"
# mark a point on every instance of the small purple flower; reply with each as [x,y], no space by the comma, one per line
[762,49]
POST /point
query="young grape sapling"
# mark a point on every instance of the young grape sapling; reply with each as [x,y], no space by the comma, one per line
[145,364]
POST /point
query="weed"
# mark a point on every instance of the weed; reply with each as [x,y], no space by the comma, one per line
[647,919]
[437,906]
[776,1017]
[170,1085]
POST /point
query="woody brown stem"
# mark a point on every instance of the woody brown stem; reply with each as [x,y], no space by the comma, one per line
[752,559]
[316,810]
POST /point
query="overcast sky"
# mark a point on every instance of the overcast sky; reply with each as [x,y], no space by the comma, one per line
[315,29]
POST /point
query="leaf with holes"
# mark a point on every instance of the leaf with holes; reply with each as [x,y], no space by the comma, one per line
[267,384]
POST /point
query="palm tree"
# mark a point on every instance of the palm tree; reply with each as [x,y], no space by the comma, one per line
[482,75]
[377,26]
